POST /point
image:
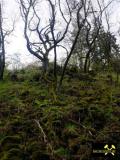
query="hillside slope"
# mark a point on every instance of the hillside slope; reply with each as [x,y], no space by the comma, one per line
[37,124]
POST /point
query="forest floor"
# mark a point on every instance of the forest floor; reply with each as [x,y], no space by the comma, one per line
[38,124]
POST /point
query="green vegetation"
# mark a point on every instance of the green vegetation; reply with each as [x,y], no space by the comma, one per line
[37,123]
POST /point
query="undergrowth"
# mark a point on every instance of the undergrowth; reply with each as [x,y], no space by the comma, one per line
[38,124]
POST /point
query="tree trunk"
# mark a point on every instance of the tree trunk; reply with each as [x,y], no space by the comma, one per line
[2,65]
[55,66]
[2,48]
[86,62]
[45,65]
[68,57]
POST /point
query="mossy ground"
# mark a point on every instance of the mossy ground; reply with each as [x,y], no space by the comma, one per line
[38,124]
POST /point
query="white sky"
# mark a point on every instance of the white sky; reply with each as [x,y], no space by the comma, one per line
[17,43]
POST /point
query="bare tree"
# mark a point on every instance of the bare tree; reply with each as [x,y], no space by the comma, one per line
[58,38]
[90,14]
[82,8]
[48,36]
[92,31]
[3,34]
[2,48]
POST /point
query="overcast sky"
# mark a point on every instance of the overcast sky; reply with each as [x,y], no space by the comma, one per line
[16,42]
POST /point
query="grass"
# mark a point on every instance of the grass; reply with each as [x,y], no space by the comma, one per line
[84,111]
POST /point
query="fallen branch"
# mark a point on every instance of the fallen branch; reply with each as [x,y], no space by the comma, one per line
[39,126]
[44,135]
